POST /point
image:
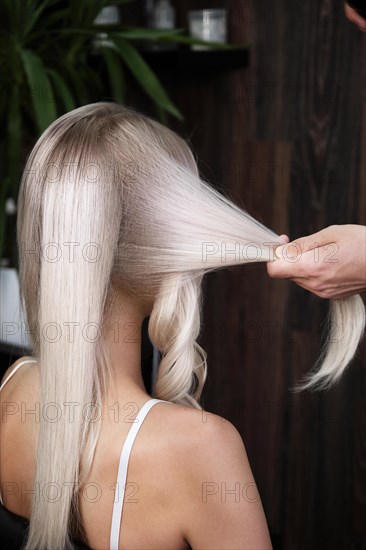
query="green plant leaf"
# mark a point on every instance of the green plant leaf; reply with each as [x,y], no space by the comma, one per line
[144,75]
[40,89]
[115,72]
[84,13]
[52,18]
[33,13]
[161,115]
[75,77]
[62,89]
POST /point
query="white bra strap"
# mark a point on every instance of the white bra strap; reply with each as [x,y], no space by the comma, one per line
[122,471]
[15,370]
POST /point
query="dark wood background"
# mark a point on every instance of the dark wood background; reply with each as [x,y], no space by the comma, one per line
[286,137]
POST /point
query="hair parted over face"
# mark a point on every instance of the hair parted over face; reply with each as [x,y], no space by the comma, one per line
[112,199]
[135,209]
[140,183]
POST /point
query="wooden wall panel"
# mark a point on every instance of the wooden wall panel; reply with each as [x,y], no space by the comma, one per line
[358,409]
[286,139]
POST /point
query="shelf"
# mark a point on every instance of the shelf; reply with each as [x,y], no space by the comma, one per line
[185,60]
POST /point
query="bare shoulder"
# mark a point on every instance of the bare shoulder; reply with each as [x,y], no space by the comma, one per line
[204,447]
[24,383]
[14,365]
[219,502]
[202,432]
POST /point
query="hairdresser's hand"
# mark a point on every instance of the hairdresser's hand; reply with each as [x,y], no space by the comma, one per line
[330,263]
[355,17]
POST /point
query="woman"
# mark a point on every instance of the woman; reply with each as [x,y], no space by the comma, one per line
[114,224]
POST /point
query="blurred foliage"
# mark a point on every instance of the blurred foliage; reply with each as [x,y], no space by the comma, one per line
[45,70]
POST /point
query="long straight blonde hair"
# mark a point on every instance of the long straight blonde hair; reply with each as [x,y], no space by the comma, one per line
[112,199]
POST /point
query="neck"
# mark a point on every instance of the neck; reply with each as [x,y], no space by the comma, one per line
[123,340]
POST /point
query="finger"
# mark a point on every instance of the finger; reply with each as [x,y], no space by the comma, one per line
[328,291]
[284,239]
[305,244]
[285,268]
[334,293]
[355,17]
[295,247]
[289,251]
[293,263]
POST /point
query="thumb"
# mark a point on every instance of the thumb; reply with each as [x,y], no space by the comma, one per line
[289,251]
[299,246]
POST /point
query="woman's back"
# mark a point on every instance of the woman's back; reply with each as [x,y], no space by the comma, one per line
[149,493]
[169,501]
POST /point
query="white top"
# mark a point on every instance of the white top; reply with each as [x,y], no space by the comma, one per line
[123,461]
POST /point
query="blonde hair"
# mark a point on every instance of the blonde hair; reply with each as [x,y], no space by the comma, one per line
[112,199]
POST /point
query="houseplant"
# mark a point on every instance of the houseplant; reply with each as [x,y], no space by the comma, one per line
[45,48]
